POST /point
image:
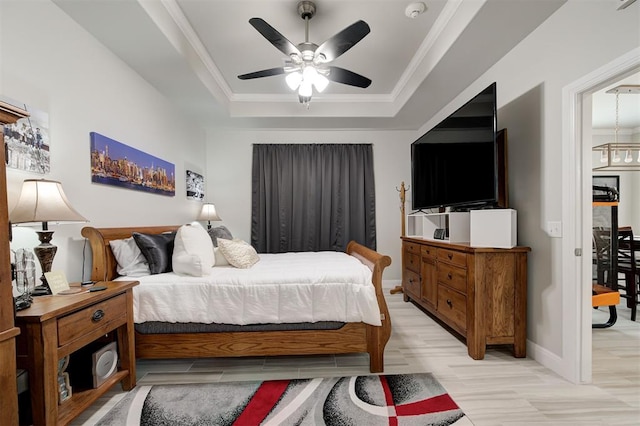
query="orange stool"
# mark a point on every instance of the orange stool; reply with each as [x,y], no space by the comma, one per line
[604,296]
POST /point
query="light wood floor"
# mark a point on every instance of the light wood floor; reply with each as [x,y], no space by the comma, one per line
[497,391]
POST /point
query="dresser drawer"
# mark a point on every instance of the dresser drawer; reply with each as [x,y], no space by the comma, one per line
[412,262]
[453,277]
[454,257]
[428,251]
[79,323]
[411,282]
[411,247]
[453,306]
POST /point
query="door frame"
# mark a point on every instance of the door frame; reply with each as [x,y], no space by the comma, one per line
[577,212]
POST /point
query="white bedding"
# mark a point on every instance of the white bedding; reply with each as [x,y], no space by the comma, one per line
[280,288]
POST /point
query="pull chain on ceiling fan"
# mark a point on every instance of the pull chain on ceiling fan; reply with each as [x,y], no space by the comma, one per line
[306,66]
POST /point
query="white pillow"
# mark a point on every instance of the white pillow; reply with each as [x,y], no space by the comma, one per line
[239,253]
[192,251]
[130,260]
[220,259]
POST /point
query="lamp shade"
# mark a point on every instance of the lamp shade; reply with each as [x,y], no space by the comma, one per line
[208,212]
[43,200]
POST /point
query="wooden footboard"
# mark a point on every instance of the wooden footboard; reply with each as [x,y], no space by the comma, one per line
[351,338]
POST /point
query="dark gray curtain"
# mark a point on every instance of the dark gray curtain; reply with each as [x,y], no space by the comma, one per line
[312,197]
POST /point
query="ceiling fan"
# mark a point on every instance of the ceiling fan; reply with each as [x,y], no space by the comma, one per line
[306,65]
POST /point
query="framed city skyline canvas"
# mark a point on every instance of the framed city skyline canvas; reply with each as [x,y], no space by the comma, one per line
[116,164]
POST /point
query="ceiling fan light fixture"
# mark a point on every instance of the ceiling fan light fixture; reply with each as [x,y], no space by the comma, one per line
[294,79]
[305,90]
[306,67]
[320,82]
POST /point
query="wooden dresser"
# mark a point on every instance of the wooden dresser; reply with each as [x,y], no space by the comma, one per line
[480,293]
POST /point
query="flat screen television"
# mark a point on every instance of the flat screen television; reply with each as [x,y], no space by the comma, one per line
[456,164]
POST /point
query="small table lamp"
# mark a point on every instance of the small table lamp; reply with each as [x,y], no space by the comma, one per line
[208,213]
[44,201]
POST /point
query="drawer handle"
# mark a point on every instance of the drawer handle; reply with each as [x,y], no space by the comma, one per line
[449,303]
[450,256]
[97,315]
[449,275]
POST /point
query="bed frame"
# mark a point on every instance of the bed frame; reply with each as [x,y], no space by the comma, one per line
[351,338]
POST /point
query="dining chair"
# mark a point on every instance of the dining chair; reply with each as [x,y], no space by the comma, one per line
[628,268]
[603,268]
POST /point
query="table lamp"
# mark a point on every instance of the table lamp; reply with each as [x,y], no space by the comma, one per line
[208,213]
[44,201]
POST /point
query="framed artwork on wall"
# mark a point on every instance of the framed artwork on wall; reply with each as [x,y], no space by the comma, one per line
[27,140]
[195,186]
[114,163]
[606,188]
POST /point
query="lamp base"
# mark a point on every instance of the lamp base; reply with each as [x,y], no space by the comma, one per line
[45,253]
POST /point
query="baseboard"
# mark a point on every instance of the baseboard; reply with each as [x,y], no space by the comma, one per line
[548,360]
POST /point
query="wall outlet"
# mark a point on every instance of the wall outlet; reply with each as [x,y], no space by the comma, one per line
[554,229]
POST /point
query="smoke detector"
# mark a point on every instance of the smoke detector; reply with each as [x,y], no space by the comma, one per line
[415,9]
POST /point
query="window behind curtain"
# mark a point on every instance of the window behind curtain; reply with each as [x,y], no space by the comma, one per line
[312,197]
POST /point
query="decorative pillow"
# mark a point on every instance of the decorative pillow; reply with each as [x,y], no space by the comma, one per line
[219,232]
[157,249]
[130,260]
[192,251]
[239,253]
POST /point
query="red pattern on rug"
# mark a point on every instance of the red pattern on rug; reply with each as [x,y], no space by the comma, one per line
[263,401]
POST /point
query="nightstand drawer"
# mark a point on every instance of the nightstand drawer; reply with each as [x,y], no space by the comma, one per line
[78,324]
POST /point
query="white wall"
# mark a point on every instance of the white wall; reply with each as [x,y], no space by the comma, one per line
[229,155]
[52,64]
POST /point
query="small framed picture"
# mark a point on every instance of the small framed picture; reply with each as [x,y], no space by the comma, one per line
[606,188]
[195,186]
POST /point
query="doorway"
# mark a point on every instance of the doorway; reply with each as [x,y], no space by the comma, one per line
[577,199]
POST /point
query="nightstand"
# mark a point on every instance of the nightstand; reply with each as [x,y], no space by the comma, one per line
[57,326]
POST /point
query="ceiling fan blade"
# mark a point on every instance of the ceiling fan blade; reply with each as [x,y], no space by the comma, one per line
[262,73]
[340,75]
[343,41]
[274,37]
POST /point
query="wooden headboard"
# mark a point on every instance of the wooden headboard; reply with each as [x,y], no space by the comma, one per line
[104,264]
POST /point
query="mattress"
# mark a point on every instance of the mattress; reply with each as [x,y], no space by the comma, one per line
[280,288]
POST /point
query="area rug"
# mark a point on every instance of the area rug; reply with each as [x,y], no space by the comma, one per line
[404,399]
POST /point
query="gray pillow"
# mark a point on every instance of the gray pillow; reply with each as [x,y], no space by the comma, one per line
[157,249]
[219,232]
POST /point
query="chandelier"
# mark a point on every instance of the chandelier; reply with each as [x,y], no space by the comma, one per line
[615,155]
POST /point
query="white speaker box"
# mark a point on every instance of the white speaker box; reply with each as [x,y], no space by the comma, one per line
[104,363]
[93,364]
[494,228]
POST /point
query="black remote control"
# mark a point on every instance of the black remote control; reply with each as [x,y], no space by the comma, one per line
[98,288]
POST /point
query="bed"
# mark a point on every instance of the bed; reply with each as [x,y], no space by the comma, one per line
[152,340]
